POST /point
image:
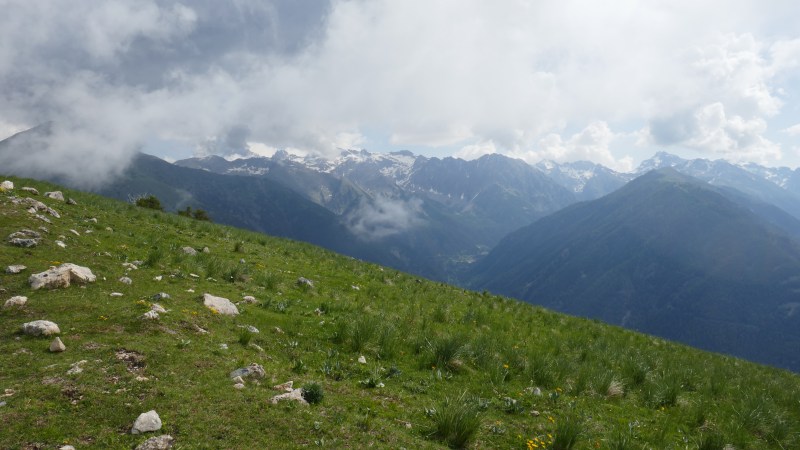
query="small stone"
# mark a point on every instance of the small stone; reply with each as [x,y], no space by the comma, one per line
[250,328]
[253,370]
[61,276]
[57,346]
[295,395]
[77,367]
[6,186]
[535,413]
[125,280]
[55,195]
[277,330]
[206,250]
[302,281]
[109,229]
[71,201]
[150,315]
[284,387]
[130,266]
[116,294]
[223,346]
[17,268]
[66,447]
[61,244]
[194,275]
[164,442]
[249,299]
[220,305]
[160,296]
[24,243]
[238,386]
[157,308]
[537,392]
[189,251]
[75,232]
[40,328]
[15,301]
[362,359]
[92,220]
[238,380]
[256,347]
[30,190]
[148,421]
[158,278]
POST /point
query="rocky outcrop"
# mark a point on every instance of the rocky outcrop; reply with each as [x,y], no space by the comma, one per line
[163,442]
[24,238]
[61,276]
[252,371]
[55,195]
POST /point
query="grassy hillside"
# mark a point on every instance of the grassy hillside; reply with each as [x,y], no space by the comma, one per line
[443,366]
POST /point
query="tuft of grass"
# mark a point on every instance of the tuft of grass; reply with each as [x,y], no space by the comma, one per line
[245,337]
[455,421]
[313,393]
[446,352]
[568,431]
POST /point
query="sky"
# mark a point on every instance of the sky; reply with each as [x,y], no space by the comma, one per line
[610,82]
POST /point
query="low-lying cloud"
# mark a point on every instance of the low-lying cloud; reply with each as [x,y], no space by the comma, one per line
[383,217]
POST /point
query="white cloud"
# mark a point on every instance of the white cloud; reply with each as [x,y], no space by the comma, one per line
[474,75]
[383,217]
[590,144]
[475,151]
[793,130]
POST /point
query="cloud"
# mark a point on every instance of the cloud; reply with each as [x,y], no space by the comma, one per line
[590,144]
[463,74]
[383,217]
[793,130]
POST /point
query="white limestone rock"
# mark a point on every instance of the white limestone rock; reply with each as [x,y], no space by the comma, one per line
[189,251]
[126,280]
[40,328]
[220,305]
[163,442]
[55,195]
[17,300]
[6,186]
[30,190]
[150,315]
[61,276]
[57,346]
[253,370]
[146,422]
[295,395]
[16,268]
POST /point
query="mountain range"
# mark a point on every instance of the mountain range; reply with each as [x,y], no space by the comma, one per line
[666,254]
[695,250]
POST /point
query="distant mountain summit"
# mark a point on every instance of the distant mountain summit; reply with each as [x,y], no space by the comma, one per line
[669,255]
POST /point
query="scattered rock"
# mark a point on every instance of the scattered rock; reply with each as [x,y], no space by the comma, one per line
[194,275]
[238,380]
[125,280]
[117,294]
[157,308]
[362,359]
[238,386]
[249,299]
[200,329]
[160,296]
[277,330]
[189,251]
[55,195]
[75,232]
[71,201]
[24,238]
[222,346]
[30,190]
[40,328]
[77,367]
[302,281]
[253,370]
[146,422]
[150,315]
[92,220]
[163,442]
[249,328]
[220,305]
[36,205]
[206,250]
[295,395]
[57,346]
[130,266]
[158,278]
[6,186]
[109,229]
[66,447]
[284,387]
[24,243]
[61,244]
[61,276]
[17,268]
[319,312]
[355,288]
[256,347]
[15,301]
